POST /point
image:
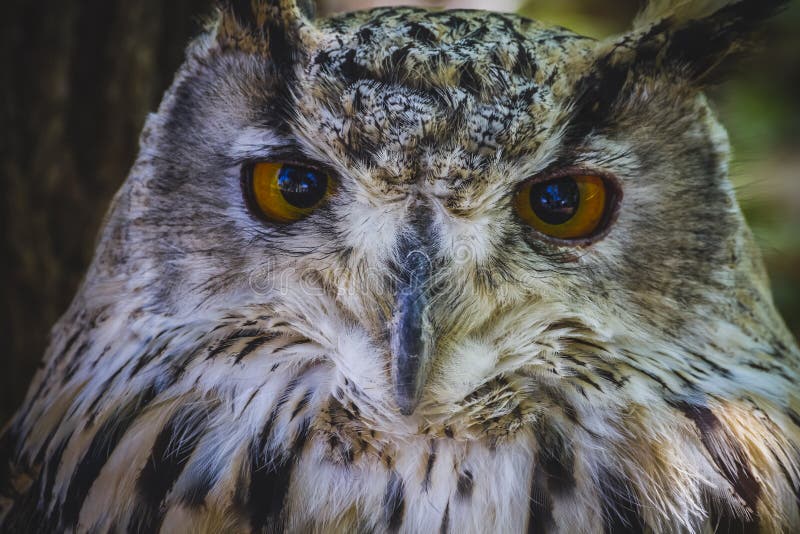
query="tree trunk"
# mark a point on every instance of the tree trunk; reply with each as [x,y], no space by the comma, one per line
[79,79]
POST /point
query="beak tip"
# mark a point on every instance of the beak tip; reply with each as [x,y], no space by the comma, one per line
[408,410]
[406,402]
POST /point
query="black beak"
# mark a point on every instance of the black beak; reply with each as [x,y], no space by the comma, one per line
[410,331]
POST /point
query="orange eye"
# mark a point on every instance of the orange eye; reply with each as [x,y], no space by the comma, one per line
[285,192]
[568,207]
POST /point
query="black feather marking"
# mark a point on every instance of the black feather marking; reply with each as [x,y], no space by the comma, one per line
[271,473]
[52,469]
[29,513]
[654,377]
[398,58]
[269,486]
[789,480]
[97,454]
[253,345]
[737,472]
[540,505]
[445,520]
[558,463]
[469,79]
[74,363]
[394,502]
[465,484]
[291,344]
[302,403]
[351,69]
[585,379]
[300,438]
[198,488]
[252,396]
[247,17]
[426,481]
[794,416]
[92,411]
[719,370]
[524,65]
[621,509]
[597,93]
[281,47]
[420,33]
[145,359]
[243,11]
[228,341]
[609,376]
[70,342]
[171,450]
[364,36]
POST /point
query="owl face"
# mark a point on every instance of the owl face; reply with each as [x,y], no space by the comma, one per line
[453,207]
[405,271]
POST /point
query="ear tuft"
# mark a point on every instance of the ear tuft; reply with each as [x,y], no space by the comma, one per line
[696,36]
[691,40]
[677,11]
[271,28]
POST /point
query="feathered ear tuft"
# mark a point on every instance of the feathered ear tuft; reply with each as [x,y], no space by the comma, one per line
[678,11]
[273,28]
[696,36]
[691,39]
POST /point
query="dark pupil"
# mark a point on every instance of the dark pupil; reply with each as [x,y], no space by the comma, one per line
[302,187]
[556,201]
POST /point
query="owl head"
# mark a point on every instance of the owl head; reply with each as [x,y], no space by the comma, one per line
[467,217]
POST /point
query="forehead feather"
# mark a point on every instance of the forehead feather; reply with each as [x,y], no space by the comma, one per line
[404,79]
[483,54]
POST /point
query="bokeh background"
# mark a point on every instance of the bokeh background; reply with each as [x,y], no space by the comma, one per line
[79,77]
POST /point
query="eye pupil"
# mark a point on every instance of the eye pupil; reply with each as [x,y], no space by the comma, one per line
[302,187]
[555,201]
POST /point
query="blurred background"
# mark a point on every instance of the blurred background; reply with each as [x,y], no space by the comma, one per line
[82,75]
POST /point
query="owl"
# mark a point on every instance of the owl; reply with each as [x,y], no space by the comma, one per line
[423,271]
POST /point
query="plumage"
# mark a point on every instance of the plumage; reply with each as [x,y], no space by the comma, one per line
[411,355]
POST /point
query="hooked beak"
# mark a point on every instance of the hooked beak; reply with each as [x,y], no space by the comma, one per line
[410,332]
